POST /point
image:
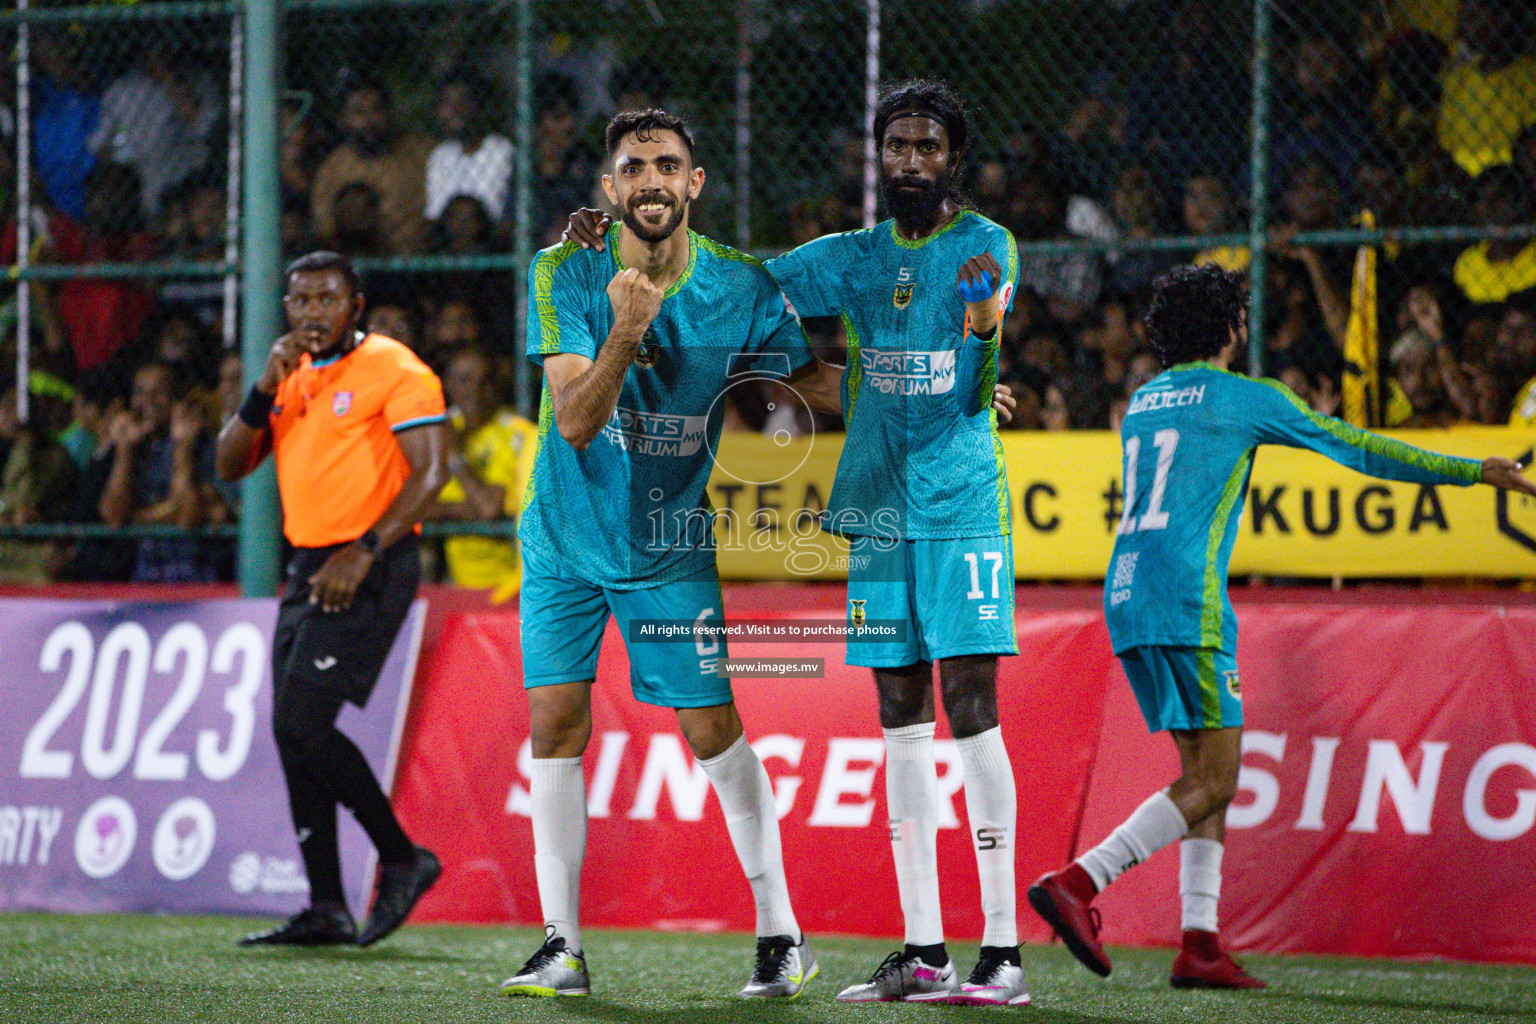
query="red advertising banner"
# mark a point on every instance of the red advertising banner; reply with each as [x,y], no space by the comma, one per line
[1386,806]
[658,852]
[1388,792]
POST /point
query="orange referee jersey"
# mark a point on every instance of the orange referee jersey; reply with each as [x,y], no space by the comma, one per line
[333,437]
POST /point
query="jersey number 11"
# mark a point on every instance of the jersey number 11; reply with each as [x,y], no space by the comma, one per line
[1154,518]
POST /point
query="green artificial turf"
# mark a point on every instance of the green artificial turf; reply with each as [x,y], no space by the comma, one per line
[58,969]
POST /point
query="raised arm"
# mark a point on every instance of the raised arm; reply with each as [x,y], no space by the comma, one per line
[1286,419]
[126,432]
[483,501]
[247,438]
[583,391]
[187,506]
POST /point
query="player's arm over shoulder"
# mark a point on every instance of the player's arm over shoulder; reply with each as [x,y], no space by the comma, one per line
[814,276]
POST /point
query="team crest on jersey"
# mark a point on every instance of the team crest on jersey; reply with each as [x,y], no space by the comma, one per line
[649,350]
[856,611]
[1233,686]
[341,403]
[905,282]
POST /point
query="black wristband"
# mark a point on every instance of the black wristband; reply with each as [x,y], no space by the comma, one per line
[370,542]
[256,410]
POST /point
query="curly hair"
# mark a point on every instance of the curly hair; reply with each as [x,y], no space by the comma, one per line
[1194,311]
[930,98]
[643,125]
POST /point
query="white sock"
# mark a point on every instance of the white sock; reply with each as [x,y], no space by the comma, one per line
[746,796]
[559,797]
[992,804]
[912,800]
[1152,826]
[1200,882]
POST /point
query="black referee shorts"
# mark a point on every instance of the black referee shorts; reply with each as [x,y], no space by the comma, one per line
[343,651]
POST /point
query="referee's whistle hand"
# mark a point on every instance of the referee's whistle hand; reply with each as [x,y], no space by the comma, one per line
[282,360]
[337,581]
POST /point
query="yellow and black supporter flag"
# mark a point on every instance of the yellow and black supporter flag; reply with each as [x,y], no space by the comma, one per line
[1362,339]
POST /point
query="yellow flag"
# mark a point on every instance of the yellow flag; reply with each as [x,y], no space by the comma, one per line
[1362,340]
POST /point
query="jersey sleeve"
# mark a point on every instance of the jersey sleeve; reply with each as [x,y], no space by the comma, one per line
[415,398]
[1283,418]
[1006,251]
[776,343]
[813,276]
[977,361]
[557,314]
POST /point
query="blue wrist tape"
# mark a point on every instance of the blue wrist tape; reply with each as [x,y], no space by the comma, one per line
[978,292]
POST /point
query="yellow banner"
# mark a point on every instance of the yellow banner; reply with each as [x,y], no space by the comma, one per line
[1303,515]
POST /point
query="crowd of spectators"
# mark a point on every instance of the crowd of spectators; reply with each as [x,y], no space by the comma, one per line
[1381,114]
[1423,113]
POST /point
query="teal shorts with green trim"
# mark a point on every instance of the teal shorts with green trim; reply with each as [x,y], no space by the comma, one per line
[1185,687]
[562,620]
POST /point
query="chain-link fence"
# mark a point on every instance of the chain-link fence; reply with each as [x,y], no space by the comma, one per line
[441,143]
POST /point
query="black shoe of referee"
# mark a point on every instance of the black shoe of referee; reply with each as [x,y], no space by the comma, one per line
[325,924]
[399,889]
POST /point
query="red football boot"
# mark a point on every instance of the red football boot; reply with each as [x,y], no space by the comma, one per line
[1202,963]
[1062,898]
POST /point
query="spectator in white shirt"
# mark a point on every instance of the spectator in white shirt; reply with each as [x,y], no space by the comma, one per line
[470,160]
[159,118]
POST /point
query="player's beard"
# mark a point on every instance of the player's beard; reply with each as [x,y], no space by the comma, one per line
[915,205]
[644,231]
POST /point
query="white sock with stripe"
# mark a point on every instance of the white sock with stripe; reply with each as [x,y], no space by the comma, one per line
[1152,826]
[991,804]
[912,801]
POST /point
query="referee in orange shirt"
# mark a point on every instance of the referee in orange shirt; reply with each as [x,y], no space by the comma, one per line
[355,424]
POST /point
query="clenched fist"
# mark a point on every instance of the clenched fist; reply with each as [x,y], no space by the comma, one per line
[281,361]
[636,301]
[978,282]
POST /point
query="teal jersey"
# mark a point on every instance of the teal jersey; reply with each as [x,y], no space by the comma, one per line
[631,510]
[1188,440]
[922,459]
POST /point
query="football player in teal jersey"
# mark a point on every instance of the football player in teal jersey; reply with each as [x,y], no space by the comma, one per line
[1189,438]
[638,343]
[922,495]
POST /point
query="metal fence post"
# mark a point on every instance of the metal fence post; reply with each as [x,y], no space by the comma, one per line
[231,318]
[871,97]
[522,241]
[261,277]
[23,212]
[1258,214]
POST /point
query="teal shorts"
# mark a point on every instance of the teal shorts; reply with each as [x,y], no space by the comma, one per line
[947,598]
[1185,687]
[562,623]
